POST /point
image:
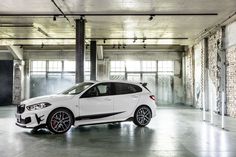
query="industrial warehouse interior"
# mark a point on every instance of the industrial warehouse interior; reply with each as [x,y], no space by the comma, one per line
[185,50]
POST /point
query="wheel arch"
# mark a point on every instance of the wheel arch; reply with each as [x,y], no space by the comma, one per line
[142,106]
[65,108]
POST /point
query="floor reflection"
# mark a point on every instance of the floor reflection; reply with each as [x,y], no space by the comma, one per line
[174,132]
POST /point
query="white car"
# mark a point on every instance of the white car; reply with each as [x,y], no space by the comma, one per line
[89,103]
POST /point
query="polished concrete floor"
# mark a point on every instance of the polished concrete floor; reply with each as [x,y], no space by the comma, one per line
[176,131]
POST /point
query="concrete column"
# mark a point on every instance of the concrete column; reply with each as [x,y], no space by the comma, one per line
[18,82]
[93,60]
[80,49]
[223,69]
[205,70]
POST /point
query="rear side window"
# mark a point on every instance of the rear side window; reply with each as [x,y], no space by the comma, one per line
[124,88]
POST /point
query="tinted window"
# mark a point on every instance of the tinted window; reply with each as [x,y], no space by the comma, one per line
[77,88]
[124,88]
[103,89]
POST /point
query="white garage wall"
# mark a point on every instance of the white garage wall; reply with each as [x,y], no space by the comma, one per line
[230,35]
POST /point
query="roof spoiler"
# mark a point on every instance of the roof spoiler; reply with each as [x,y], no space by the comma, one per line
[144,84]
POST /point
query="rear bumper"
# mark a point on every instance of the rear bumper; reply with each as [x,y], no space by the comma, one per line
[154,112]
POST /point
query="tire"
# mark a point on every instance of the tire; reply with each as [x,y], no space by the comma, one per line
[142,116]
[59,121]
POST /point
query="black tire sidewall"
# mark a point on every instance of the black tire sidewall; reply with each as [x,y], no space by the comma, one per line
[135,116]
[50,116]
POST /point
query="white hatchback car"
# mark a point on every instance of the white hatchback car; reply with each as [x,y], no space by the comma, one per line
[89,103]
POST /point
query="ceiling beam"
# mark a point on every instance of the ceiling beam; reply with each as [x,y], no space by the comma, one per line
[14,38]
[111,14]
[16,51]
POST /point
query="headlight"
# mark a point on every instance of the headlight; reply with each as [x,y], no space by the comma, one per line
[37,106]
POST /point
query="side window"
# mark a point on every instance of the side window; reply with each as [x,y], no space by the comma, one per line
[92,92]
[102,89]
[124,88]
[134,88]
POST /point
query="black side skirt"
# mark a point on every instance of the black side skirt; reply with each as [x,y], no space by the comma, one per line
[96,116]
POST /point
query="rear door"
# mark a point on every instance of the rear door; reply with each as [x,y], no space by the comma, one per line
[126,99]
[97,103]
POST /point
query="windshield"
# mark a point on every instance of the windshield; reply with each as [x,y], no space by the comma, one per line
[77,88]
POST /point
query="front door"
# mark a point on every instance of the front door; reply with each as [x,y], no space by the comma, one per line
[96,103]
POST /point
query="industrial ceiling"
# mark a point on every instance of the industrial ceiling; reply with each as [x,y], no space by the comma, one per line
[35,22]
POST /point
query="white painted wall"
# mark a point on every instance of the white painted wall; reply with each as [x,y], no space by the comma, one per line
[230,35]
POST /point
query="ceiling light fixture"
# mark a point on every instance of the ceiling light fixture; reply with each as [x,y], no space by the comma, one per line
[151,17]
[124,46]
[144,39]
[42,45]
[54,18]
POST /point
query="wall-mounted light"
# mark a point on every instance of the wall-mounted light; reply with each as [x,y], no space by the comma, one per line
[104,41]
[119,46]
[113,46]
[135,39]
[144,46]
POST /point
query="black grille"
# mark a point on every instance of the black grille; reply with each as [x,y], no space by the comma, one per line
[20,108]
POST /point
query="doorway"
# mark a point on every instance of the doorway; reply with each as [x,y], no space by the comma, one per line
[6,81]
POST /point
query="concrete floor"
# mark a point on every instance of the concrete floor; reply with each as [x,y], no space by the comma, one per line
[176,131]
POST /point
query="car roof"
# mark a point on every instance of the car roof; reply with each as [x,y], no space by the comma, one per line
[119,81]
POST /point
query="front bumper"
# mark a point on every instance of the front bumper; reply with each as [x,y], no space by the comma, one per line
[30,119]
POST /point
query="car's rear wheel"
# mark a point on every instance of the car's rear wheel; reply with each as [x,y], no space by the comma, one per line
[59,121]
[142,116]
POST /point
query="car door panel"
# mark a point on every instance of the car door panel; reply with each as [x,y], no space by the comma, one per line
[97,104]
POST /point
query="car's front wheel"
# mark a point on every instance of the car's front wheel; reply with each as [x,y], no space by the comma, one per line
[142,116]
[59,121]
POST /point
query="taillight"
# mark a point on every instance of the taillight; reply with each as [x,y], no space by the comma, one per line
[153,97]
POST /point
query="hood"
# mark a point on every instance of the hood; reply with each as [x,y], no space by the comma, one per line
[47,98]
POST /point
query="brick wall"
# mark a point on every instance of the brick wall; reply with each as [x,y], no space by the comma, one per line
[231,81]
[17,84]
[189,76]
[214,41]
